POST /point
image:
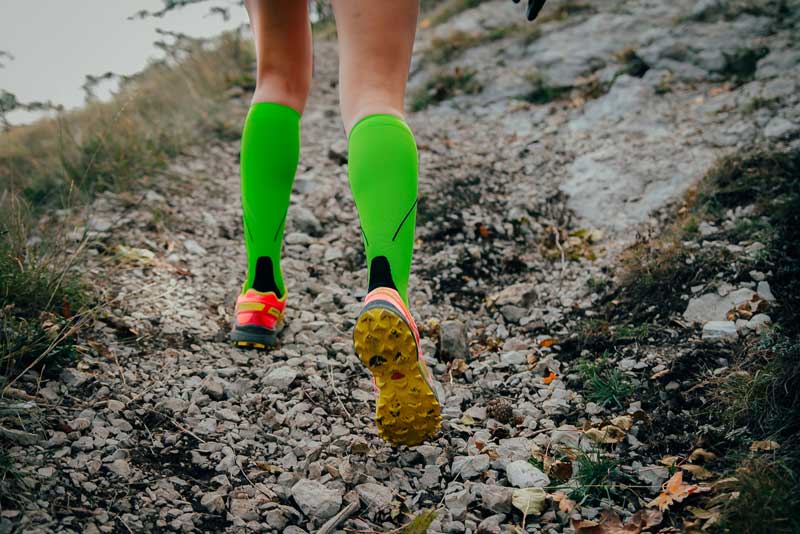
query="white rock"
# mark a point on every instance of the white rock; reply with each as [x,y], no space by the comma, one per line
[193,247]
[315,500]
[720,331]
[430,477]
[470,466]
[714,307]
[280,378]
[458,501]
[759,322]
[764,291]
[523,475]
[781,128]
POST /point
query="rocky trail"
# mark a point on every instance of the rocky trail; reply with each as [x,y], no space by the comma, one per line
[529,189]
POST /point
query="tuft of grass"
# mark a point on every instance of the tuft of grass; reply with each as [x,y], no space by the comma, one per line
[768,501]
[446,85]
[421,522]
[729,10]
[741,65]
[603,384]
[598,476]
[764,394]
[41,299]
[563,11]
[769,182]
[633,64]
[438,12]
[762,103]
[445,49]
[657,273]
[543,93]
[9,480]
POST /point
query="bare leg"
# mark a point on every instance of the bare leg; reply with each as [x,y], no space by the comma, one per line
[283,51]
[375,43]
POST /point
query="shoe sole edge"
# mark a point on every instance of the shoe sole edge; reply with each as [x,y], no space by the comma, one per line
[252,336]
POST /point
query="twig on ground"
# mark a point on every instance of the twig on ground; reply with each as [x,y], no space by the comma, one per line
[336,392]
[343,515]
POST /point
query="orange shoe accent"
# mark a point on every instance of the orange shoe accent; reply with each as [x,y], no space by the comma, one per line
[259,309]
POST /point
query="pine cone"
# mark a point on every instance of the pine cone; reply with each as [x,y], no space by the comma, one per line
[500,409]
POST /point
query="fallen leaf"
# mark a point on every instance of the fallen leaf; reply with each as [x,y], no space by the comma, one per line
[662,502]
[565,504]
[608,434]
[458,366]
[701,454]
[659,374]
[675,490]
[586,526]
[699,512]
[725,483]
[530,501]
[559,470]
[765,445]
[140,255]
[467,419]
[645,519]
[669,460]
[549,378]
[699,472]
[548,342]
[625,422]
[269,468]
[483,231]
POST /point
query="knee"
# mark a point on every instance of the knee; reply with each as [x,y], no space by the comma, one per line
[287,88]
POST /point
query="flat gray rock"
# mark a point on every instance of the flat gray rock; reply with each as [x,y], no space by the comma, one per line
[522,474]
[315,500]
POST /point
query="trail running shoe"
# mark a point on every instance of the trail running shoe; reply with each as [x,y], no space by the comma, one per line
[387,341]
[258,318]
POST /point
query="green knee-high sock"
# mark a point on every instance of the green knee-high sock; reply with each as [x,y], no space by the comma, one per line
[382,165]
[270,151]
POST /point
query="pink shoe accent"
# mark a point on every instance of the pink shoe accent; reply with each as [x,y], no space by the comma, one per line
[259,309]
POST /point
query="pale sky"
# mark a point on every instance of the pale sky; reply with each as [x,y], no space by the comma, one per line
[55,43]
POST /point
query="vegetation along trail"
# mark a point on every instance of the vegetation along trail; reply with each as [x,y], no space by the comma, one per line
[605,278]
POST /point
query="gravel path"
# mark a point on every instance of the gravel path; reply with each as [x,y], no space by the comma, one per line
[165,426]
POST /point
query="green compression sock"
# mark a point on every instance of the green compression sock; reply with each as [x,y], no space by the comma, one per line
[269,155]
[382,165]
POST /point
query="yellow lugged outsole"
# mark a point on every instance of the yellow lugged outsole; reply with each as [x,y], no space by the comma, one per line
[406,411]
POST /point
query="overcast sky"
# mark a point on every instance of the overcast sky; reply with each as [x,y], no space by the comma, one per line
[55,43]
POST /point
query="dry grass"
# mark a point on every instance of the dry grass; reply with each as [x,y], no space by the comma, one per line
[62,162]
[110,145]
